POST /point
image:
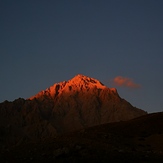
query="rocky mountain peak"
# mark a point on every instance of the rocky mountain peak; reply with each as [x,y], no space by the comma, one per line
[77,83]
[67,106]
[81,80]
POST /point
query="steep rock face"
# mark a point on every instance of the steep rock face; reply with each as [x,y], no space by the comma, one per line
[66,106]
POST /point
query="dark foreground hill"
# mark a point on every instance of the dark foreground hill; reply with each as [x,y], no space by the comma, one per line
[137,140]
[66,106]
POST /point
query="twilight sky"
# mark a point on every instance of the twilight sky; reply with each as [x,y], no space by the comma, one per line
[117,42]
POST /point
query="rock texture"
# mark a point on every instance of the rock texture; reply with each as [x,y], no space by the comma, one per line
[66,106]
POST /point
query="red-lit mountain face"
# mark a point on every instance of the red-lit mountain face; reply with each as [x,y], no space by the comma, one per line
[66,106]
[84,101]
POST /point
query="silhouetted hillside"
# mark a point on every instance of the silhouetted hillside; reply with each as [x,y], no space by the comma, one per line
[137,140]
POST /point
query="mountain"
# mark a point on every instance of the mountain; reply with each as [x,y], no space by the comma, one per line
[85,101]
[64,107]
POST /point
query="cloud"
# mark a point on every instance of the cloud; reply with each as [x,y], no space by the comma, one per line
[125,82]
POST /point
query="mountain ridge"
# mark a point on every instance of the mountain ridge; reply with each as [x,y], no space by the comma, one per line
[64,107]
[79,83]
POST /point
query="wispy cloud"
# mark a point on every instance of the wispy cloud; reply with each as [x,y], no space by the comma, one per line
[125,82]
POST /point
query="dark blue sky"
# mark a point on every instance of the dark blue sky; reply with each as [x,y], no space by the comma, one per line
[44,42]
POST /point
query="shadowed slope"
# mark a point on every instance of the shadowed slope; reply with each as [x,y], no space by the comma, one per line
[137,140]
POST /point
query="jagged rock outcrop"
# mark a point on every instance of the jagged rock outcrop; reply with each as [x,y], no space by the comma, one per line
[66,106]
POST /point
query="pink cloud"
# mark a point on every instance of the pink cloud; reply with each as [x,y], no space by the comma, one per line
[125,82]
